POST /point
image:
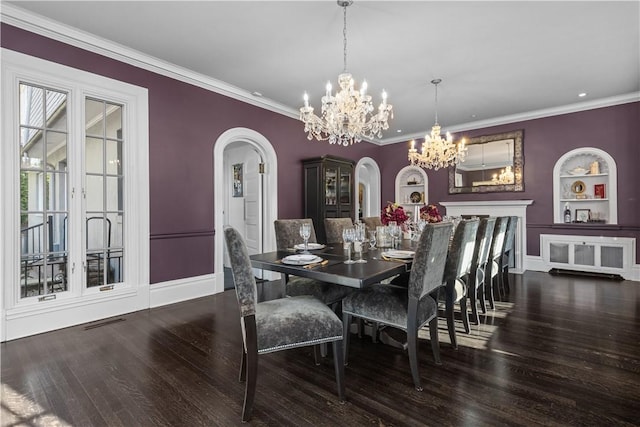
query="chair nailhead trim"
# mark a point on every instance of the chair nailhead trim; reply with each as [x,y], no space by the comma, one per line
[300,344]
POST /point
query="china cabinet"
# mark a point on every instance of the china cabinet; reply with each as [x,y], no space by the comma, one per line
[328,190]
[412,189]
[585,185]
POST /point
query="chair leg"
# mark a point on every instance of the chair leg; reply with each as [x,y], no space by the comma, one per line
[412,349]
[252,370]
[465,314]
[346,323]
[488,292]
[323,349]
[317,354]
[435,344]
[450,320]
[339,363]
[483,305]
[243,366]
[473,301]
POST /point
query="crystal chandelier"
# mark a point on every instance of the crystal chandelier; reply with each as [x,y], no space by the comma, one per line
[348,116]
[437,152]
[506,175]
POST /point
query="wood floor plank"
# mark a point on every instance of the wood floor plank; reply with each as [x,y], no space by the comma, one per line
[559,350]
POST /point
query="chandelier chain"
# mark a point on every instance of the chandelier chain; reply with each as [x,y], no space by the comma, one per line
[344,36]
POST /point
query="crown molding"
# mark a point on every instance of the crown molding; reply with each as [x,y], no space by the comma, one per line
[40,25]
[46,27]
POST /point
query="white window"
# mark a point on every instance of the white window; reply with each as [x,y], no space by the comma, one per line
[74,182]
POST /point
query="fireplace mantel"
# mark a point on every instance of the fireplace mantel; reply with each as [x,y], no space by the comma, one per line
[498,208]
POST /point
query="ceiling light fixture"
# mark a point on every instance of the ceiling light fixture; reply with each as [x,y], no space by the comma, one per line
[346,117]
[437,152]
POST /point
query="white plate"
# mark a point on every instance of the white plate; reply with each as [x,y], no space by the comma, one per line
[399,254]
[302,259]
[311,246]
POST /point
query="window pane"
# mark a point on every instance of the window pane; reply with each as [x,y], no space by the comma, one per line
[58,232]
[56,150]
[56,273]
[94,117]
[114,160]
[115,273]
[32,236]
[94,155]
[114,187]
[31,106]
[31,191]
[115,238]
[56,110]
[114,121]
[95,269]
[94,193]
[31,149]
[55,192]
[95,233]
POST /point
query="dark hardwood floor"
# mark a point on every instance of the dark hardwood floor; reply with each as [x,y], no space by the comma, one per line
[559,351]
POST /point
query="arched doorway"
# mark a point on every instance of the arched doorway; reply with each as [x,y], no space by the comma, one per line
[242,146]
[367,179]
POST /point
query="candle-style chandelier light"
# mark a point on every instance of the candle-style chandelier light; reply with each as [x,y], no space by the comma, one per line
[437,152]
[348,116]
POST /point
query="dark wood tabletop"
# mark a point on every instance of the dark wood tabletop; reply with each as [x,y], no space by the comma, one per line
[335,270]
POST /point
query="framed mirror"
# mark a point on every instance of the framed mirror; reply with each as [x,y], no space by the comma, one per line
[494,163]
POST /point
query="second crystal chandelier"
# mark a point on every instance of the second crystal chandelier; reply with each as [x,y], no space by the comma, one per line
[437,152]
[348,116]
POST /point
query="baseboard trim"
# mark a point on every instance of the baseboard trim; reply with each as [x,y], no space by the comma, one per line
[179,290]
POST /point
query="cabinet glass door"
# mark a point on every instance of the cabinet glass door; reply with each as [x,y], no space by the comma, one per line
[330,190]
[345,188]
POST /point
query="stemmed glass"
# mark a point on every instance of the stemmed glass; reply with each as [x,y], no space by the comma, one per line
[348,235]
[394,231]
[360,238]
[372,239]
[305,233]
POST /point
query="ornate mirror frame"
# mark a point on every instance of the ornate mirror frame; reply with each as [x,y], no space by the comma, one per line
[518,166]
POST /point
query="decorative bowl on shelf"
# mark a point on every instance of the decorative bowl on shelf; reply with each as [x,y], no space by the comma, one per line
[415,197]
[579,170]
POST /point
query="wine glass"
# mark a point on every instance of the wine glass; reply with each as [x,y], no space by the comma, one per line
[305,233]
[372,239]
[348,235]
[359,238]
[394,231]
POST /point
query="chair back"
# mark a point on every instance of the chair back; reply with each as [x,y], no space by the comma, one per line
[510,234]
[288,232]
[499,232]
[430,258]
[245,281]
[333,228]
[371,222]
[461,250]
[483,243]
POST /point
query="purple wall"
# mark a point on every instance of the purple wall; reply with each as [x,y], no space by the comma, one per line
[185,121]
[612,129]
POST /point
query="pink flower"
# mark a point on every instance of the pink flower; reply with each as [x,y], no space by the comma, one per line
[430,213]
[393,212]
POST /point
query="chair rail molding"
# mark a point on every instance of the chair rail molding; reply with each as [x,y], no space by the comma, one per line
[498,208]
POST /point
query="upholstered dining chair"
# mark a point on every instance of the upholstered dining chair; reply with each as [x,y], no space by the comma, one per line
[475,281]
[495,252]
[333,228]
[287,236]
[456,274]
[278,324]
[503,261]
[371,222]
[406,308]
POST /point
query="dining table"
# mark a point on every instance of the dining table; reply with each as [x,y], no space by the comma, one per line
[330,266]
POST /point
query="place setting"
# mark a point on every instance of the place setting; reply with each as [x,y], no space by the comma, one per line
[397,255]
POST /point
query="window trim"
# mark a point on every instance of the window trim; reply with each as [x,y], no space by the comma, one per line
[72,308]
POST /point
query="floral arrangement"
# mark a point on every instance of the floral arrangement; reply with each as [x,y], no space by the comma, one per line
[430,213]
[393,212]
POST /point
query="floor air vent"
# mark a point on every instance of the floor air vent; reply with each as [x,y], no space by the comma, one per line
[105,323]
[563,272]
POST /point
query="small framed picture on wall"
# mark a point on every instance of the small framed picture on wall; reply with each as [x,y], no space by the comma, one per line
[237,181]
[598,191]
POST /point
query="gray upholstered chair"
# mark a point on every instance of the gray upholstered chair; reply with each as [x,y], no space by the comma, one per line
[502,281]
[495,252]
[456,274]
[287,236]
[371,222]
[268,326]
[333,228]
[406,308]
[475,282]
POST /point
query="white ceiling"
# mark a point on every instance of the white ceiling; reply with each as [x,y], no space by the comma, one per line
[499,61]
